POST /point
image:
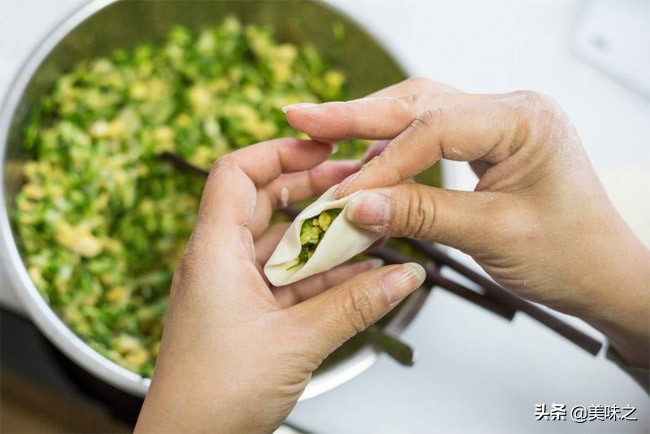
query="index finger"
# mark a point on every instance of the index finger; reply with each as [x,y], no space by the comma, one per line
[369,118]
[334,122]
[230,193]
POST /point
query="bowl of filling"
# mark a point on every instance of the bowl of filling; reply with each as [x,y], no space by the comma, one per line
[93,220]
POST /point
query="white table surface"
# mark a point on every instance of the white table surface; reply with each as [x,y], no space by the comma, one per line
[475,372]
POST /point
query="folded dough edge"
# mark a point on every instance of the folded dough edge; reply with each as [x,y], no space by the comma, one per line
[342,241]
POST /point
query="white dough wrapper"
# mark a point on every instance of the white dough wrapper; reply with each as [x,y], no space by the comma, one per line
[341,242]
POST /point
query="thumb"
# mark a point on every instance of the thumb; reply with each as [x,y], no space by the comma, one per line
[339,313]
[455,218]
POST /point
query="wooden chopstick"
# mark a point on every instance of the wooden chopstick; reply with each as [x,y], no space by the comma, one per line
[434,278]
[506,298]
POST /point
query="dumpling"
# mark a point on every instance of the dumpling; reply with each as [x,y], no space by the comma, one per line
[319,239]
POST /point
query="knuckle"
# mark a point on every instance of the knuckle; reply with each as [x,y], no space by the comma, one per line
[221,165]
[407,102]
[413,103]
[421,215]
[418,220]
[349,121]
[184,269]
[535,107]
[191,254]
[357,307]
[530,98]
[427,119]
[537,116]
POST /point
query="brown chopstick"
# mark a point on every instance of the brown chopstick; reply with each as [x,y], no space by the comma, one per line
[183,165]
[506,298]
[434,278]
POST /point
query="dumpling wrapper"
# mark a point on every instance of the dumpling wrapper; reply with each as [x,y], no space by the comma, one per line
[341,241]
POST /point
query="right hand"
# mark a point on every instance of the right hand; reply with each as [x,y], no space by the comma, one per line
[539,221]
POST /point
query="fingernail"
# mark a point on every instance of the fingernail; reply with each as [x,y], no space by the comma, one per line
[401,281]
[368,208]
[375,263]
[301,105]
[335,149]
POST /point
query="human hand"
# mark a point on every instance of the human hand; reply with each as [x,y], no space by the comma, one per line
[539,221]
[236,356]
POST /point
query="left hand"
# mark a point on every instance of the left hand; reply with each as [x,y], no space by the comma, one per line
[235,356]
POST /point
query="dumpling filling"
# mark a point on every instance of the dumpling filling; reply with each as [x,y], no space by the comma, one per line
[319,239]
[312,232]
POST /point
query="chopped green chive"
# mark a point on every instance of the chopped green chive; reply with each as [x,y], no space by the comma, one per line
[312,232]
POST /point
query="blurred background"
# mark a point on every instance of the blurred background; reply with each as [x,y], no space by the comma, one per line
[475,372]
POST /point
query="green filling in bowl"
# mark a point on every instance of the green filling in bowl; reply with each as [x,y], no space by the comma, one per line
[101,219]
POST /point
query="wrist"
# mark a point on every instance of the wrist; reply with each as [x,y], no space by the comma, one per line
[174,404]
[189,414]
[620,300]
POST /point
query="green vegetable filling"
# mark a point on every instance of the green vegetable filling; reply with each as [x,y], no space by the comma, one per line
[101,219]
[312,232]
